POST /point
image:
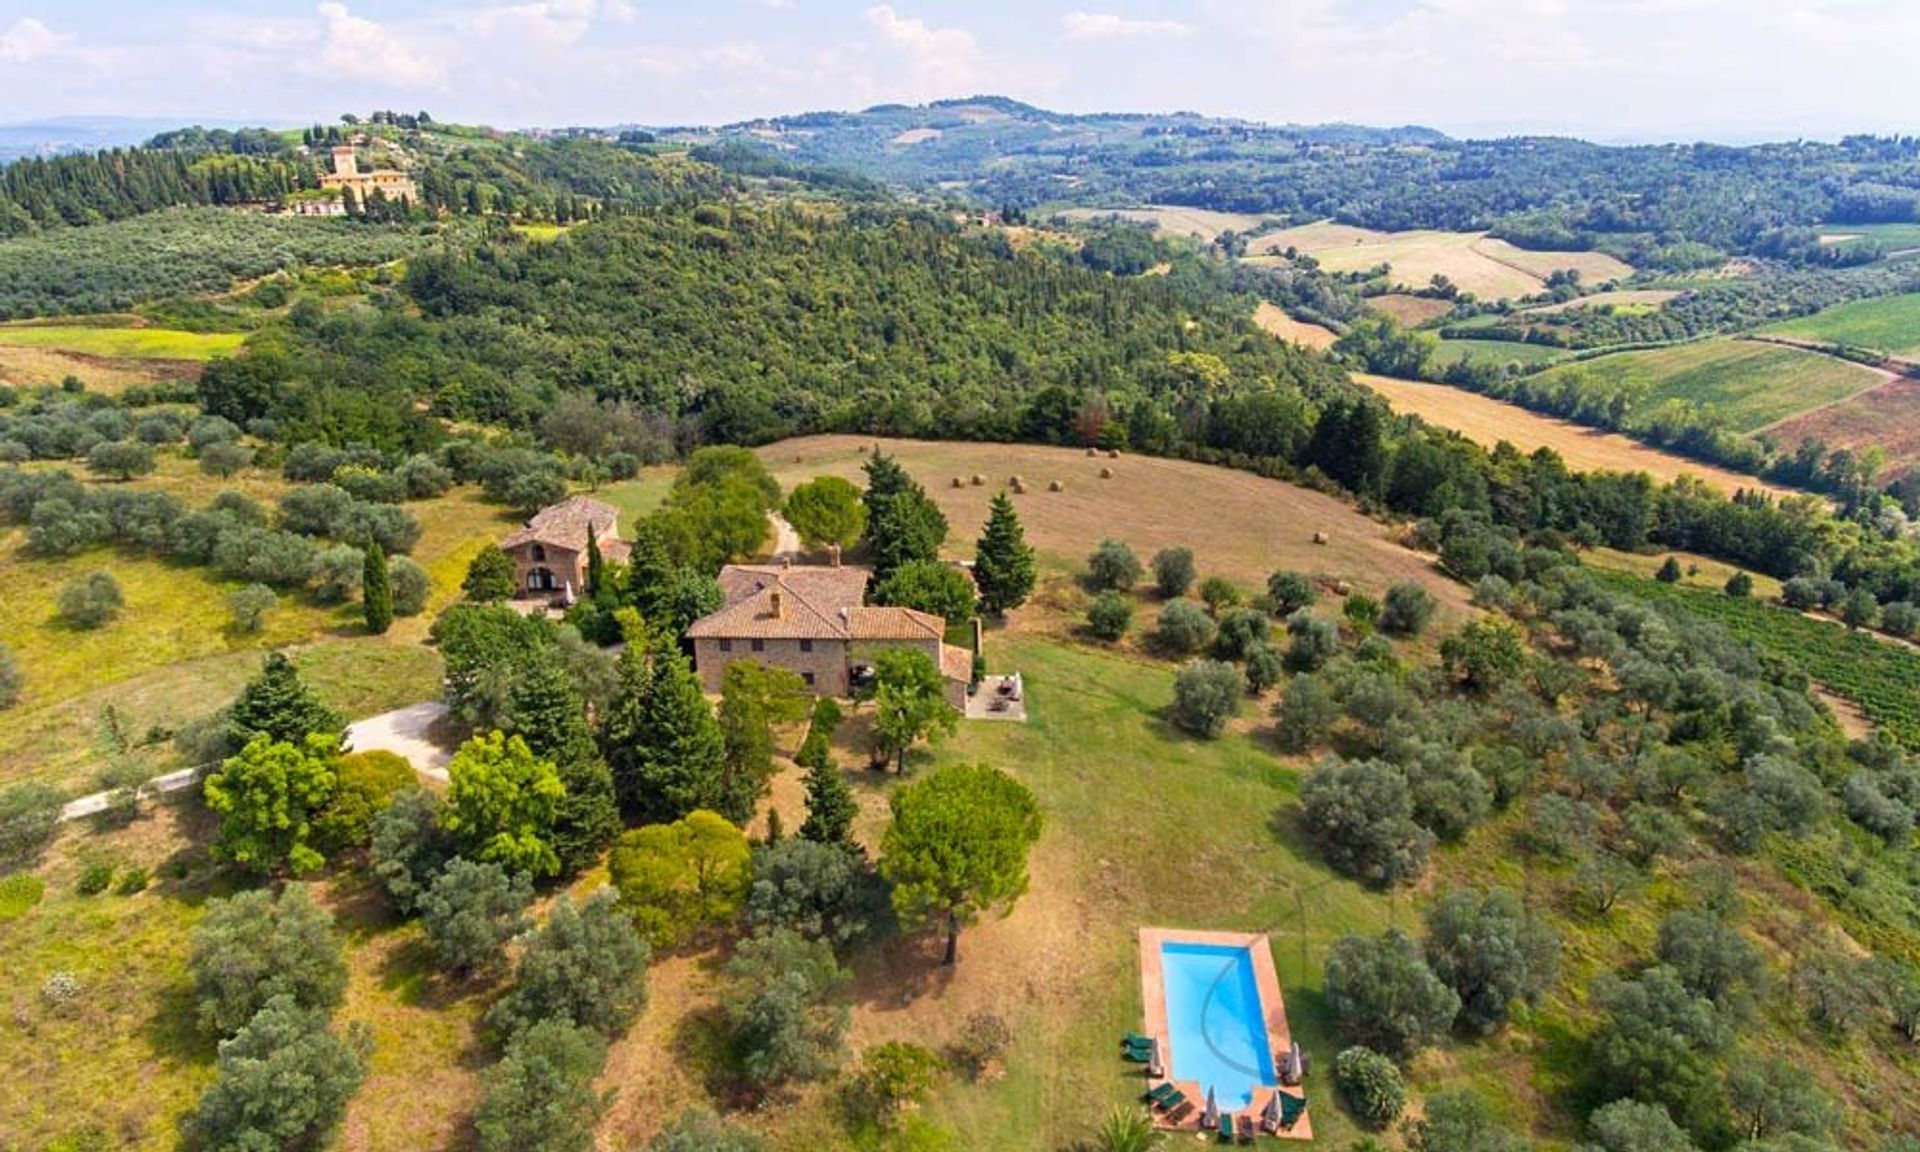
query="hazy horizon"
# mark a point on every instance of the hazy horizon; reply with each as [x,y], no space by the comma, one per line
[1618,71]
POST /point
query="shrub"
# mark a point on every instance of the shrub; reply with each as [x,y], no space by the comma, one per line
[1739,586]
[1265,668]
[1561,826]
[1289,592]
[1669,572]
[1407,610]
[19,892]
[1384,997]
[61,989]
[983,1041]
[1802,593]
[12,680]
[783,1003]
[283,1081]
[1109,616]
[1459,1120]
[1218,593]
[249,607]
[1900,618]
[1113,566]
[1206,694]
[336,574]
[250,948]
[29,816]
[1493,592]
[490,576]
[1305,713]
[1859,609]
[1241,631]
[1362,612]
[91,600]
[1371,1084]
[411,586]
[122,459]
[1173,572]
[893,1076]
[701,1131]
[1630,1126]
[1360,814]
[540,1096]
[1184,628]
[132,882]
[94,879]
[586,965]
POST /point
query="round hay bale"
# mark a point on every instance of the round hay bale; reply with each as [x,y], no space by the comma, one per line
[1342,588]
[1106,473]
[977,480]
[959,483]
[1019,488]
[1319,537]
[798,459]
[1057,486]
[1093,451]
[1016,480]
[1113,453]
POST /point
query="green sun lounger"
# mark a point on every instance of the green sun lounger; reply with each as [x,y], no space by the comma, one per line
[1156,1095]
[1226,1127]
[1135,1040]
[1169,1103]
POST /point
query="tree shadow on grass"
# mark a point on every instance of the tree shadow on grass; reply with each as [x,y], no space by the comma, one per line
[900,969]
[410,971]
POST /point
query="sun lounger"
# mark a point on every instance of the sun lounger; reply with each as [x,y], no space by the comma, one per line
[1243,1129]
[1291,1109]
[1161,1092]
[1169,1103]
[1226,1127]
[1135,1040]
[1179,1115]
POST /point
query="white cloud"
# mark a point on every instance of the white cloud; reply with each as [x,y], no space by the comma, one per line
[551,23]
[356,48]
[946,60]
[1079,25]
[28,40]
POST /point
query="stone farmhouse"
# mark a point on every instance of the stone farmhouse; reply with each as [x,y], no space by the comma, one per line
[550,551]
[813,620]
[347,177]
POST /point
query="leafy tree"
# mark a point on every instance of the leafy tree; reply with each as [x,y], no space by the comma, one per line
[677,879]
[1561,825]
[1900,618]
[958,846]
[586,966]
[1206,694]
[267,797]
[120,459]
[698,1130]
[827,512]
[1485,654]
[1360,815]
[910,703]
[283,1081]
[376,591]
[1314,640]
[91,601]
[1266,667]
[409,848]
[1859,608]
[502,802]
[663,743]
[1631,1126]
[1241,631]
[1772,1098]
[783,1004]
[470,913]
[224,458]
[490,576]
[1669,572]
[1173,572]
[1184,628]
[1650,832]
[540,1097]
[411,586]
[1371,1084]
[364,783]
[1603,879]
[821,891]
[1384,997]
[1739,586]
[1305,714]
[1487,948]
[1003,565]
[930,586]
[29,817]
[249,607]
[753,698]
[1460,1120]
[1113,567]
[1449,797]
[1109,616]
[252,947]
[279,705]
[1289,592]
[1219,593]
[1408,608]
[1655,1044]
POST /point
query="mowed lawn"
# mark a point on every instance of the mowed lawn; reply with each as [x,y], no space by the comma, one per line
[1744,384]
[1886,323]
[123,343]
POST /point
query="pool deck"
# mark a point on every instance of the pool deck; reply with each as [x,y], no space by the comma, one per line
[1153,995]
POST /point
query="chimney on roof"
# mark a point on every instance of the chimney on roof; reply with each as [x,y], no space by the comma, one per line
[833,555]
[778,602]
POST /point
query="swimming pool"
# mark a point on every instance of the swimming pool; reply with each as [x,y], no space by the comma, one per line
[1216,1028]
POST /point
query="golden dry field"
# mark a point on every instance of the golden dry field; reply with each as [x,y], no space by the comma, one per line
[1490,269]
[1276,321]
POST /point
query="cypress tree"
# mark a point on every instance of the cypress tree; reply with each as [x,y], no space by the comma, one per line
[376,590]
[625,725]
[675,758]
[595,566]
[1003,563]
[830,803]
[548,715]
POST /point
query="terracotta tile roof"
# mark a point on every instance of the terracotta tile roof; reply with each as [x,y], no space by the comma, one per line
[894,624]
[814,603]
[564,525]
[956,663]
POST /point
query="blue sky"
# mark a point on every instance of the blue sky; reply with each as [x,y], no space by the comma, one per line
[1608,69]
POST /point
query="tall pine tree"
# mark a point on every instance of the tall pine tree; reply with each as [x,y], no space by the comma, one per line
[666,744]
[278,703]
[1003,563]
[376,590]
[548,715]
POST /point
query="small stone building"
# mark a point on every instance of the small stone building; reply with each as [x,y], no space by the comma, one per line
[550,552]
[813,620]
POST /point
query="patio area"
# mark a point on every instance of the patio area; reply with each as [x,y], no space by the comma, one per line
[999,698]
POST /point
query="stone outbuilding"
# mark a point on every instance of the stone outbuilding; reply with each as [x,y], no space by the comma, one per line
[550,551]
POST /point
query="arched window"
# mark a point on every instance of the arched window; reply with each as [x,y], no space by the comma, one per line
[540,553]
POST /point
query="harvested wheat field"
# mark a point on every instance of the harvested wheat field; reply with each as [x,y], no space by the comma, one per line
[1475,262]
[23,366]
[1488,421]
[1409,311]
[1239,525]
[1200,222]
[1886,417]
[1300,332]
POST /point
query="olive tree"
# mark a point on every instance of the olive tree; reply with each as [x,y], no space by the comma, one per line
[1490,951]
[1384,996]
[1206,694]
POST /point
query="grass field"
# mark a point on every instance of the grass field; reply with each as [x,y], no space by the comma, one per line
[1252,525]
[122,343]
[1300,332]
[1891,237]
[1450,351]
[1197,222]
[1886,323]
[1489,421]
[1631,300]
[1744,384]
[1490,269]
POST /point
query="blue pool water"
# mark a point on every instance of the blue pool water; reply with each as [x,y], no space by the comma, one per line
[1217,1035]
